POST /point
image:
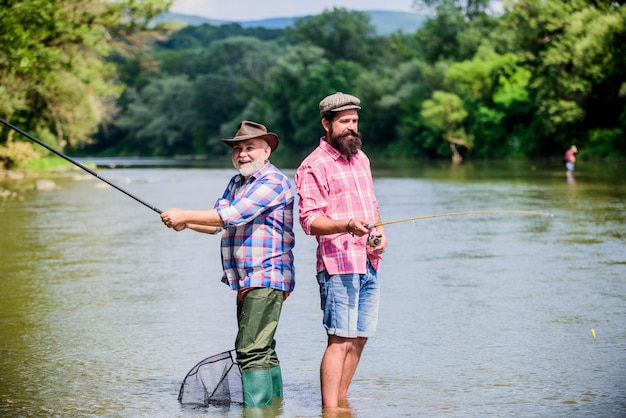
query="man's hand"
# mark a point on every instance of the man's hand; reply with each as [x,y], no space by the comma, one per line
[358,227]
[174,218]
[377,240]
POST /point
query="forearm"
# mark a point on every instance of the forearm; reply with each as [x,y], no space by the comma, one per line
[204,228]
[326,226]
[179,219]
[208,218]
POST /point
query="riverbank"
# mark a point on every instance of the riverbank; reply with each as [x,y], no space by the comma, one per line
[17,180]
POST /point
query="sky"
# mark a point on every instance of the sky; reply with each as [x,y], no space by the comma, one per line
[242,10]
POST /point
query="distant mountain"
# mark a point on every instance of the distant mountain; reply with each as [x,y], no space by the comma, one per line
[386,22]
[190,20]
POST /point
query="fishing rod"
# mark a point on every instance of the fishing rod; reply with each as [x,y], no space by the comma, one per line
[77,164]
[473,212]
[374,240]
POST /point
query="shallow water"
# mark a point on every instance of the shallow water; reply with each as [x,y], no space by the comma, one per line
[104,310]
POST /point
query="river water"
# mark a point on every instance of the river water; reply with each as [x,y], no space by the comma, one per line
[104,310]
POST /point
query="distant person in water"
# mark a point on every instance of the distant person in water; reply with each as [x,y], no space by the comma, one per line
[570,159]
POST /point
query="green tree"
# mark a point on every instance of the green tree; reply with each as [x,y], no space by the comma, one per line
[526,83]
[438,38]
[451,34]
[342,34]
[202,36]
[445,114]
[576,52]
[56,80]
[496,93]
[158,118]
[188,111]
[291,100]
[470,8]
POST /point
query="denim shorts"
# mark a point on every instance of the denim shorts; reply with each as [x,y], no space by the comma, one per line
[350,303]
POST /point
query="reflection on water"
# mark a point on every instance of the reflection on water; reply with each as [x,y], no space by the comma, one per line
[104,310]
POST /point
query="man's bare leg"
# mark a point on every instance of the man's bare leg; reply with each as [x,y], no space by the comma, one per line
[339,364]
[353,356]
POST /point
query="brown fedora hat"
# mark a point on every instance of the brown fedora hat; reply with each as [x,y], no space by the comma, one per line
[250,130]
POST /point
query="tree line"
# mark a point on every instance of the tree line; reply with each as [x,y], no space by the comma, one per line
[525,83]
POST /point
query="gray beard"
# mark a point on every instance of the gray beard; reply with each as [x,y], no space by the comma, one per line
[250,169]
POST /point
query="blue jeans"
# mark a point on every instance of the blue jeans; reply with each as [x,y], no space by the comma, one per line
[350,303]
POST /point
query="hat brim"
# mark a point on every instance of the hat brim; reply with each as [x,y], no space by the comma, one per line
[341,109]
[270,137]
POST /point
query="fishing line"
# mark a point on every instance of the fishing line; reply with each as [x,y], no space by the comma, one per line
[374,240]
[77,164]
[474,212]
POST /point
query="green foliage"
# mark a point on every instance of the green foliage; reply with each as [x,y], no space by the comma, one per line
[158,117]
[445,114]
[575,49]
[48,163]
[202,36]
[342,34]
[185,112]
[543,75]
[438,39]
[16,153]
[606,142]
[294,99]
[470,8]
[53,66]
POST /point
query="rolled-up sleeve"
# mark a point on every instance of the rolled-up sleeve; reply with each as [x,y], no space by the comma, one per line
[312,196]
[242,209]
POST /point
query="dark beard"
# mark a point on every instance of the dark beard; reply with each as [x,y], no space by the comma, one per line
[347,147]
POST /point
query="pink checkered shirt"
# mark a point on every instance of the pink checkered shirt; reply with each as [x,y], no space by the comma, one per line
[328,185]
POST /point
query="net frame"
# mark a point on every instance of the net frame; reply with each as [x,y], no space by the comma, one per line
[216,380]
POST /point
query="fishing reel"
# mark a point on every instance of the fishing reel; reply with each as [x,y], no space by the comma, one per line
[373,240]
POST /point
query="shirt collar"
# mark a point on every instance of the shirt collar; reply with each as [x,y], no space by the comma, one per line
[329,149]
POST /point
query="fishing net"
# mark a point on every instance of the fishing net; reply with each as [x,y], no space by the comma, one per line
[216,380]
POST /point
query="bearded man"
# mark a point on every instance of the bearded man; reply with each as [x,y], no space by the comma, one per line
[256,216]
[338,206]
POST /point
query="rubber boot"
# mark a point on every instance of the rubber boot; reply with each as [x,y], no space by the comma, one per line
[277,382]
[257,387]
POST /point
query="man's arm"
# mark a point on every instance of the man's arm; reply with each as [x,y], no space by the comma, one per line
[326,226]
[179,219]
[205,229]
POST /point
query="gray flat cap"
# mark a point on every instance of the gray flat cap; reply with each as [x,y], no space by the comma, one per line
[337,102]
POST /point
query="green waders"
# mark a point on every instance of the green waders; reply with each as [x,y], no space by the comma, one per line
[257,316]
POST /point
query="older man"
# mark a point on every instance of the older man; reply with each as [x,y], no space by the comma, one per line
[256,215]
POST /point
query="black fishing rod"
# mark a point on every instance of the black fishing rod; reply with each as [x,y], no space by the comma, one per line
[77,164]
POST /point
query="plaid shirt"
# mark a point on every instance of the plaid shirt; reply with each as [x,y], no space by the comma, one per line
[329,185]
[258,231]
